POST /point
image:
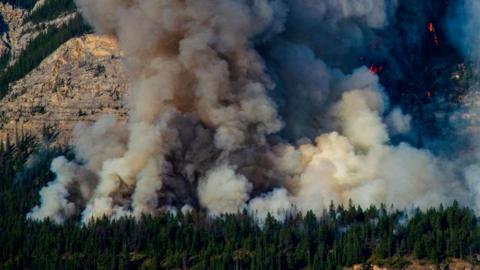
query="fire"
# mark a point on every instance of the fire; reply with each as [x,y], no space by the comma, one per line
[375,69]
[431,29]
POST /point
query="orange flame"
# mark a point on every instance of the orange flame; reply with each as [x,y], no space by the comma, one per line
[431,29]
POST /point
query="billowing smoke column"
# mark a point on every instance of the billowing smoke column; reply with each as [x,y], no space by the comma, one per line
[218,86]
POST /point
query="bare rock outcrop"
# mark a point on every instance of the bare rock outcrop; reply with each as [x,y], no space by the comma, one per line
[452,264]
[13,19]
[79,82]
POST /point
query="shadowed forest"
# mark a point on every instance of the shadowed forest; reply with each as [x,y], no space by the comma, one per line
[342,236]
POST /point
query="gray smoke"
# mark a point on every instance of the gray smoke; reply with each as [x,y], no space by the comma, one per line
[463,22]
[204,123]
[462,25]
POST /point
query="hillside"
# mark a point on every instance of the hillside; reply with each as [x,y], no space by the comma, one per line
[53,75]
[81,80]
[259,134]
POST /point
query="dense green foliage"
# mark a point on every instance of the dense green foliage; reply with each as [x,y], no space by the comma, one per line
[340,237]
[39,49]
[26,4]
[51,10]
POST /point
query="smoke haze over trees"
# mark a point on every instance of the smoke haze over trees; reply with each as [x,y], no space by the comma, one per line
[273,106]
[340,236]
[267,134]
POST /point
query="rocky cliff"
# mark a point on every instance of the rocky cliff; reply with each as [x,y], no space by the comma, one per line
[80,81]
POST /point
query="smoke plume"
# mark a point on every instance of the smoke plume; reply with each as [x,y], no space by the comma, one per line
[239,105]
[463,23]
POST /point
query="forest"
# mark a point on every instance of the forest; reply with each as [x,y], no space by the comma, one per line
[52,9]
[343,235]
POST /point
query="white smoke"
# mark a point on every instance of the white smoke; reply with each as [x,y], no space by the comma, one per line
[276,203]
[398,122]
[223,191]
[359,164]
[203,129]
[57,202]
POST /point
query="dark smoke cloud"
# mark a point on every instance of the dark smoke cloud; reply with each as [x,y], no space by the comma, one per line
[260,105]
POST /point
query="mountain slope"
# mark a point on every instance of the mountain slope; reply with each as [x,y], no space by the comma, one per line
[51,73]
[81,80]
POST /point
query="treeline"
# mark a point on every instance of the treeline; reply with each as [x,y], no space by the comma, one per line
[341,236]
[39,49]
[51,10]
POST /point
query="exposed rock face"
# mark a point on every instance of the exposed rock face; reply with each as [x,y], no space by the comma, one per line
[82,80]
[19,32]
[13,19]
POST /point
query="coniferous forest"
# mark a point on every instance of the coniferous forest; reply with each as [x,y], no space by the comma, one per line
[51,10]
[341,236]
